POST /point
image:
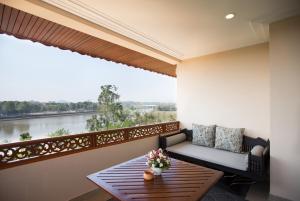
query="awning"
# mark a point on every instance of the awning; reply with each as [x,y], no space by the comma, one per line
[27,26]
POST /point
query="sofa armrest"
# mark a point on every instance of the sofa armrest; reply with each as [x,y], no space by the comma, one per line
[250,142]
[266,152]
[259,159]
[172,139]
[188,133]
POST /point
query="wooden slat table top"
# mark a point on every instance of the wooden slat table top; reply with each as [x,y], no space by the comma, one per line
[183,181]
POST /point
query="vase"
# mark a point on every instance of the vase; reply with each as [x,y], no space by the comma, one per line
[148,175]
[157,171]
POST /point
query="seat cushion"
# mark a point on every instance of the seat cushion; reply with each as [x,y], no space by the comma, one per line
[204,135]
[230,139]
[229,159]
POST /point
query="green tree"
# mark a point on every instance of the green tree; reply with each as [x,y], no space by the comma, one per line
[22,107]
[150,118]
[8,107]
[25,136]
[172,117]
[93,124]
[110,110]
[59,132]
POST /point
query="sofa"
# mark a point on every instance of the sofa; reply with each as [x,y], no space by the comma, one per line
[252,162]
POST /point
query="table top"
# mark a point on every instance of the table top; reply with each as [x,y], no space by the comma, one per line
[182,181]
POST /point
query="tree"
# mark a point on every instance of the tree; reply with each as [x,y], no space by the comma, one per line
[93,124]
[25,136]
[110,110]
[22,107]
[59,132]
[149,118]
[172,117]
[8,107]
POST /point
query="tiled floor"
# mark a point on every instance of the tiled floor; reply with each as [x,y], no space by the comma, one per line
[257,192]
[95,195]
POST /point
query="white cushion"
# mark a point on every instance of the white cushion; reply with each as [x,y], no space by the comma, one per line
[229,159]
[257,150]
[175,139]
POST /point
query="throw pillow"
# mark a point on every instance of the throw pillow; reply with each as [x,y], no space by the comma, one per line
[204,135]
[230,139]
[257,150]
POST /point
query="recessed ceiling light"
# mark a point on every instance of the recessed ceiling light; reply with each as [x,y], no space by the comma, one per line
[230,16]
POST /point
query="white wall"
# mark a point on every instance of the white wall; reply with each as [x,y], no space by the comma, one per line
[285,108]
[63,178]
[230,89]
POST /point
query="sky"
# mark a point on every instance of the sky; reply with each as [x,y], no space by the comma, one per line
[32,71]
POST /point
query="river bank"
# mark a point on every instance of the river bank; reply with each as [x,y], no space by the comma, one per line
[41,127]
[44,115]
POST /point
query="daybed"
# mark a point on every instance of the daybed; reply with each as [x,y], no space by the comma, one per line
[252,162]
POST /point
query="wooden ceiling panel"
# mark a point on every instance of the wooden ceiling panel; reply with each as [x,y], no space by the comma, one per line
[88,45]
[75,39]
[45,30]
[26,26]
[30,26]
[47,35]
[69,35]
[17,23]
[5,18]
[1,12]
[12,20]
[131,56]
[36,22]
[101,48]
[115,52]
[55,34]
[82,43]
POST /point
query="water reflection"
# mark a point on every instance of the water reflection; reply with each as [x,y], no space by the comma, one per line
[21,128]
[6,129]
[41,127]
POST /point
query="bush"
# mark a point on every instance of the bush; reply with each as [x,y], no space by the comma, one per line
[59,132]
[25,136]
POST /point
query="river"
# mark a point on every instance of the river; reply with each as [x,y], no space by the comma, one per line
[40,127]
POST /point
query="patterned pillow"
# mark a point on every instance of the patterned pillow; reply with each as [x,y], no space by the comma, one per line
[230,139]
[204,135]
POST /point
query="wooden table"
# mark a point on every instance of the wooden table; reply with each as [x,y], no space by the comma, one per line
[182,182]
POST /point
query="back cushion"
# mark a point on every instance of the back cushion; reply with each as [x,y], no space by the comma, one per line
[175,139]
[204,135]
[230,139]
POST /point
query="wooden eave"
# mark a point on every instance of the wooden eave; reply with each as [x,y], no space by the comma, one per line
[27,26]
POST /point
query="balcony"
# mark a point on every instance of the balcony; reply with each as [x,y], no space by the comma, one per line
[240,71]
[38,168]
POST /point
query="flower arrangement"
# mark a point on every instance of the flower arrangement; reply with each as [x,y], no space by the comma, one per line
[157,159]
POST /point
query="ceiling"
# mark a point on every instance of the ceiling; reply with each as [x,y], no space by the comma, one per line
[185,28]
